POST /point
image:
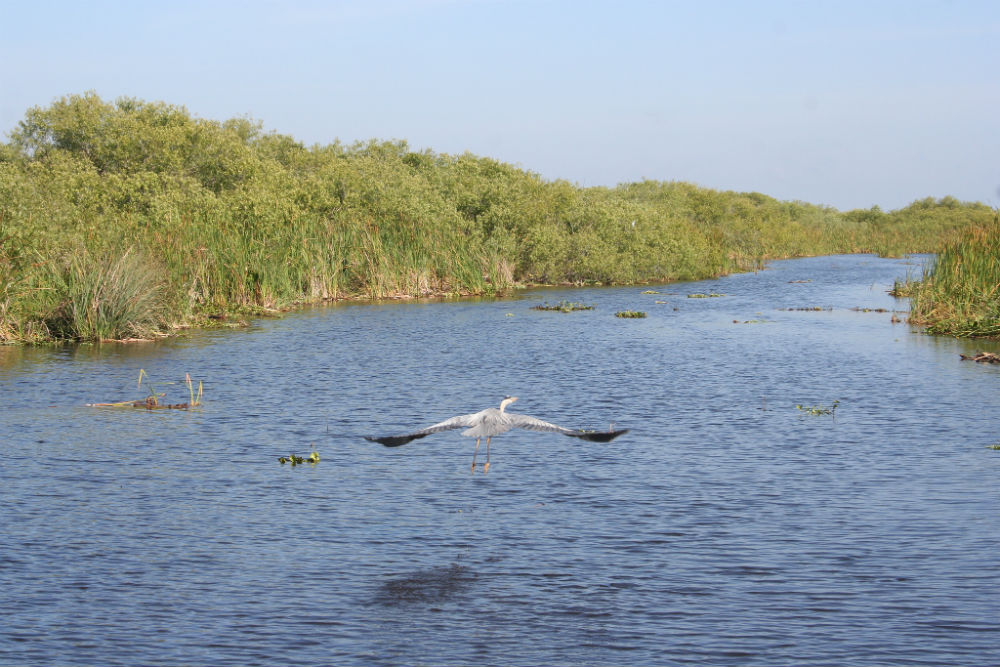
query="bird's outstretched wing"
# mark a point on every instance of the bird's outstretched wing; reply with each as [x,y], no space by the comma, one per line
[534,424]
[460,421]
[598,436]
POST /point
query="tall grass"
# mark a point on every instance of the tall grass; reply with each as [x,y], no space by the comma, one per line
[112,297]
[242,221]
[960,292]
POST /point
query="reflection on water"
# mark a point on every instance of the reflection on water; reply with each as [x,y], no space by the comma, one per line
[727,527]
[431,585]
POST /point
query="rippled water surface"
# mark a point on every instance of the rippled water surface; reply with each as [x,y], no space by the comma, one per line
[727,527]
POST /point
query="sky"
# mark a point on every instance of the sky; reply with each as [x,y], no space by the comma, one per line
[846,103]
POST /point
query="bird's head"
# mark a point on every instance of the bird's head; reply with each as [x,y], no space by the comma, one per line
[507,401]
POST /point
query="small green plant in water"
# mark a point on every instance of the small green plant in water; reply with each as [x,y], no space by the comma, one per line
[630,314]
[195,400]
[704,296]
[819,409]
[563,306]
[299,460]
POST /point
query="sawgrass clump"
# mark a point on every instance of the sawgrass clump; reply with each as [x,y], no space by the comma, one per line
[960,291]
[112,297]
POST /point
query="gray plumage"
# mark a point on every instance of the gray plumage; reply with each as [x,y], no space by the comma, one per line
[492,421]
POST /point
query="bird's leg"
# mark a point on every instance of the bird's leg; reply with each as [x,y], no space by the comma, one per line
[474,455]
[486,468]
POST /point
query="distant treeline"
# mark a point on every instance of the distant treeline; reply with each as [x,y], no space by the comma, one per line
[122,219]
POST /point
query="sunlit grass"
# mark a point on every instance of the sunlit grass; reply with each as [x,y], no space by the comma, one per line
[960,292]
[113,297]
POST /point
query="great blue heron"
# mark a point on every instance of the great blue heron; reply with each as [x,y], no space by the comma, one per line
[490,422]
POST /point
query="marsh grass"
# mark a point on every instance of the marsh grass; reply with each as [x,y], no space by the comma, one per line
[107,298]
[960,292]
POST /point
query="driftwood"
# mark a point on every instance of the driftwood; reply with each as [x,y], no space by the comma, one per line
[983,358]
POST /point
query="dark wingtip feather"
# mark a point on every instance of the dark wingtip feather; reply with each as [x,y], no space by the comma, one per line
[599,436]
[392,440]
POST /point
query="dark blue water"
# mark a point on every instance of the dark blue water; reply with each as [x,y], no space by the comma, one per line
[728,527]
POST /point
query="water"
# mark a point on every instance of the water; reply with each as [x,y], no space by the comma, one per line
[728,527]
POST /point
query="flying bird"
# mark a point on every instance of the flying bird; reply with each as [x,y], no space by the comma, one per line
[490,422]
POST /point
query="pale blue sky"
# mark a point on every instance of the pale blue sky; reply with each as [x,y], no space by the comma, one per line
[847,103]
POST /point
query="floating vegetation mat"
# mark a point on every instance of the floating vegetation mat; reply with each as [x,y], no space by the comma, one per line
[563,306]
[704,296]
[152,401]
[982,357]
[861,309]
[630,314]
[809,308]
[819,409]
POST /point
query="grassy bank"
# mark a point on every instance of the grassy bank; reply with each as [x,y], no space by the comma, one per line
[960,292]
[127,218]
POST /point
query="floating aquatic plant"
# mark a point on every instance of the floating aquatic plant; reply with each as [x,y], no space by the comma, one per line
[298,460]
[819,409]
[630,314]
[152,400]
[563,306]
[651,291]
[704,296]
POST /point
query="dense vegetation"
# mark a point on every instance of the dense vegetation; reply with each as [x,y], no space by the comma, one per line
[960,294]
[127,218]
